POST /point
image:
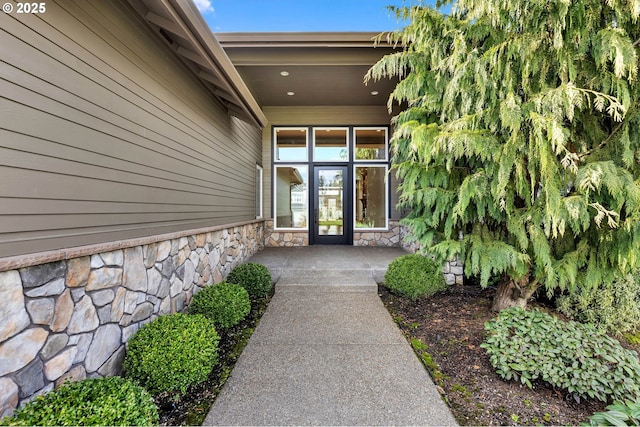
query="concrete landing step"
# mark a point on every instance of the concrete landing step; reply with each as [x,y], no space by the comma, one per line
[327,281]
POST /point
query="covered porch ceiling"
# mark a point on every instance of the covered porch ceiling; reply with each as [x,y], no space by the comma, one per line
[308,69]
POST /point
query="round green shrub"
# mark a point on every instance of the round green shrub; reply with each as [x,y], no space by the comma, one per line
[614,307]
[99,401]
[172,353]
[414,275]
[531,345]
[255,278]
[225,304]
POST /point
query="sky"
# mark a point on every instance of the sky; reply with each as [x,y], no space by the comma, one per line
[300,15]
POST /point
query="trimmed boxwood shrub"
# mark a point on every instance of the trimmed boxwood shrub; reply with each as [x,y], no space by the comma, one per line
[225,304]
[530,345]
[99,401]
[255,278]
[172,353]
[414,275]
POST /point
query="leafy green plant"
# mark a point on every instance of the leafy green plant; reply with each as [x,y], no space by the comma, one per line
[633,338]
[172,353]
[414,276]
[614,307]
[531,345]
[255,278]
[98,401]
[619,414]
[225,304]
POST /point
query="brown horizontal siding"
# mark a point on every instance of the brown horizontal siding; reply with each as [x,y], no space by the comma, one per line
[105,135]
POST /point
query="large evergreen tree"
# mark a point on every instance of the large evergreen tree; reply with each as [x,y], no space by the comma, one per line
[519,148]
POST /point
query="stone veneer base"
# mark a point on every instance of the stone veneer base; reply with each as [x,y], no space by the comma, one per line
[277,238]
[68,314]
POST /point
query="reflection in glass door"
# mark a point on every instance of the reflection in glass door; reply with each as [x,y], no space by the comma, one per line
[330,213]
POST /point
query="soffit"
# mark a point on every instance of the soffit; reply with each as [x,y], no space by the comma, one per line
[324,68]
[181,26]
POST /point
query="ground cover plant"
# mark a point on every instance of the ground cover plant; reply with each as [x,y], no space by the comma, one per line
[518,148]
[527,345]
[414,276]
[225,304]
[447,330]
[254,277]
[172,353]
[99,401]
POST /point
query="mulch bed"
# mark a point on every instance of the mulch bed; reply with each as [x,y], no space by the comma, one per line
[451,324]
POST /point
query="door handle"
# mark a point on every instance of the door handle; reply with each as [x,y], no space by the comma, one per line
[315,216]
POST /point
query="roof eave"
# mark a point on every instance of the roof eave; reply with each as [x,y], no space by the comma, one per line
[301,39]
[181,25]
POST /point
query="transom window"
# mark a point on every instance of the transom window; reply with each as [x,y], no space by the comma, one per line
[371,144]
[330,145]
[290,145]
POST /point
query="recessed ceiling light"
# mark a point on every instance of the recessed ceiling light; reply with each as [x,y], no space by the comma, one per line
[374,92]
[284,73]
[291,93]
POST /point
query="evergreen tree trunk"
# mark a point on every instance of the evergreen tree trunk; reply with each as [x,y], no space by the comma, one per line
[513,293]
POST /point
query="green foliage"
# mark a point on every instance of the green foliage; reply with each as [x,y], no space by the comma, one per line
[619,414]
[428,361]
[633,338]
[414,276]
[518,150]
[99,401]
[614,307]
[530,345]
[255,278]
[225,304]
[172,353]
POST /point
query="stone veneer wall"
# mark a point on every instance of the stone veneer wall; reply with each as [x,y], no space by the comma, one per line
[71,318]
[284,238]
[453,270]
[379,238]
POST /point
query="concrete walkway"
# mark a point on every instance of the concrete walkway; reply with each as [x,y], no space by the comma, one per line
[326,351]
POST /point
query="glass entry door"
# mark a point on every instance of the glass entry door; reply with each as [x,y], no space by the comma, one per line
[330,205]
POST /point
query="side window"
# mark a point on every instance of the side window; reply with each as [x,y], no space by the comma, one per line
[291,210]
[259,181]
